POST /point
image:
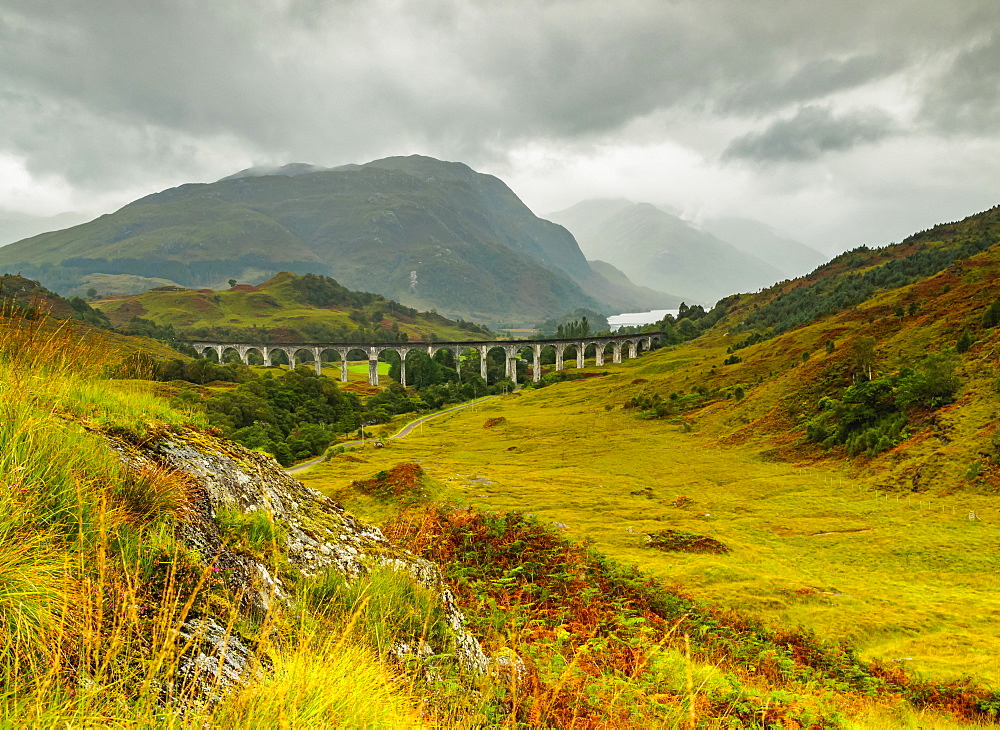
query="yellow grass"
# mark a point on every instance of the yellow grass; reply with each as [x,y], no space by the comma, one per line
[911,580]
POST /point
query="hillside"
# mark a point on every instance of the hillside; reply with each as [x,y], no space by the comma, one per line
[659,250]
[149,566]
[291,308]
[428,233]
[876,321]
[719,468]
[194,584]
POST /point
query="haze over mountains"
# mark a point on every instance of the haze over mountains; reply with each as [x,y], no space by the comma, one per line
[15,226]
[649,244]
[428,233]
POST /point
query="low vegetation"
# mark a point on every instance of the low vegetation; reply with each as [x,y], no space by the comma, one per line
[684,542]
[871,416]
[286,308]
[813,525]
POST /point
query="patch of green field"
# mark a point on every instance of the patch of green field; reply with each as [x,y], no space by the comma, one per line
[273,304]
[907,579]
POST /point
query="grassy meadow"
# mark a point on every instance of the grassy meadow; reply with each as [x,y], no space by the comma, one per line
[820,544]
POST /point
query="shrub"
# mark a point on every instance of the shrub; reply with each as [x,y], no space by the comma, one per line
[872,416]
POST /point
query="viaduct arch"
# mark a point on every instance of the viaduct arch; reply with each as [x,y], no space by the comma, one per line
[622,346]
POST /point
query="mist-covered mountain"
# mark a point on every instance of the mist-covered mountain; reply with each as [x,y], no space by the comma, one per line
[788,256]
[659,250]
[431,234]
[15,226]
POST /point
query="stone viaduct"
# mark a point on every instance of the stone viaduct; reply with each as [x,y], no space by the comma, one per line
[629,345]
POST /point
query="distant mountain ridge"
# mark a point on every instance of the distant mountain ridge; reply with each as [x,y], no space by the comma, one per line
[658,249]
[431,234]
[17,226]
[788,256]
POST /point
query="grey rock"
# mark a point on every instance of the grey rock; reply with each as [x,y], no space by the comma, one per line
[320,536]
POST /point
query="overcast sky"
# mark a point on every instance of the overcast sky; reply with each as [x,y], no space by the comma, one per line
[837,122]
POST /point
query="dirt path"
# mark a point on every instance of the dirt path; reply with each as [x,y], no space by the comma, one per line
[403,432]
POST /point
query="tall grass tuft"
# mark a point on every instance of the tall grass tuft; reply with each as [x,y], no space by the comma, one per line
[151,493]
[385,608]
[35,599]
[323,681]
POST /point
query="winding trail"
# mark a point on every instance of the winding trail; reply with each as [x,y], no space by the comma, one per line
[402,433]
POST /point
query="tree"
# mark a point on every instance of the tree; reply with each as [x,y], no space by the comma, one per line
[91,293]
[688,329]
[965,341]
[991,317]
[932,385]
[232,283]
[864,356]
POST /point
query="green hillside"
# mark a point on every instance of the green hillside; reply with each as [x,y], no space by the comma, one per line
[840,476]
[663,546]
[428,233]
[288,308]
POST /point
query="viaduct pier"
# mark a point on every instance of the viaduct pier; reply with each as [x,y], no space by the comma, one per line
[615,346]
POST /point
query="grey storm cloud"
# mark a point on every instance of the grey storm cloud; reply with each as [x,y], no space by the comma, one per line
[99,96]
[965,98]
[808,135]
[812,80]
[344,80]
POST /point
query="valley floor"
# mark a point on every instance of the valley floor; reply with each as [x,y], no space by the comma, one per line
[903,579]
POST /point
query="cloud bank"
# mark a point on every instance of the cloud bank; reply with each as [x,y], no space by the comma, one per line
[729,106]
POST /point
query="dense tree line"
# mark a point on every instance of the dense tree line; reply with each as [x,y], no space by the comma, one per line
[292,416]
[322,291]
[578,323]
[436,379]
[807,303]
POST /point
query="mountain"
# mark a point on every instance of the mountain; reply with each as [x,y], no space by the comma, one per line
[428,233]
[660,250]
[289,170]
[788,256]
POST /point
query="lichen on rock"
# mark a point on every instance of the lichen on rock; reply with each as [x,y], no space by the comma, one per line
[319,535]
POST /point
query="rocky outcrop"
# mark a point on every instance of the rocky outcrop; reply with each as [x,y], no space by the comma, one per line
[319,535]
